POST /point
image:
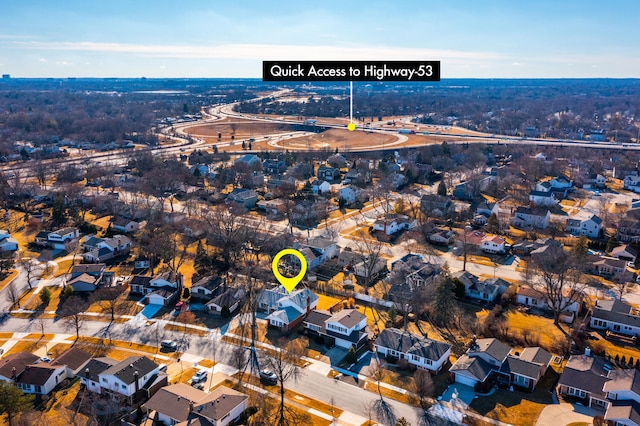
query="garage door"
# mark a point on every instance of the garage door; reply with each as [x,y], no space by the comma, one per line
[466,380]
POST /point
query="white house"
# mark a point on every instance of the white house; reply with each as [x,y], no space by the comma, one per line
[540,198]
[60,237]
[230,298]
[118,379]
[349,194]
[561,182]
[320,186]
[589,227]
[493,244]
[392,223]
[183,404]
[41,378]
[7,242]
[632,183]
[103,249]
[286,310]
[419,351]
[624,252]
[323,249]
[616,316]
[345,328]
[571,301]
[527,217]
[125,225]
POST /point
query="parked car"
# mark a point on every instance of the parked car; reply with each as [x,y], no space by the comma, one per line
[199,377]
[268,377]
[169,345]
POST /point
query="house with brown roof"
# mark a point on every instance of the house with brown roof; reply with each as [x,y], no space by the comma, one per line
[73,359]
[11,366]
[41,378]
[181,404]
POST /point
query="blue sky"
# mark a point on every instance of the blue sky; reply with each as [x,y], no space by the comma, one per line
[212,38]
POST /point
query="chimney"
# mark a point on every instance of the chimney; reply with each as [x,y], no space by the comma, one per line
[14,374]
[86,372]
[190,406]
[135,377]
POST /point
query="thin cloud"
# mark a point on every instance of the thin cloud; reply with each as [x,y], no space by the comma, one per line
[259,51]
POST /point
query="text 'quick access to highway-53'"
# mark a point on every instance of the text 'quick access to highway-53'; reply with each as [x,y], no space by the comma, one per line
[351,70]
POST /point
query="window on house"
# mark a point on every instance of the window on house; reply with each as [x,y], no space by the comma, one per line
[104,380]
[415,357]
[124,387]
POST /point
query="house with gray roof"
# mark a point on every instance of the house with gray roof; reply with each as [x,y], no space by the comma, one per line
[345,328]
[616,316]
[122,379]
[417,350]
[40,379]
[475,288]
[489,360]
[286,310]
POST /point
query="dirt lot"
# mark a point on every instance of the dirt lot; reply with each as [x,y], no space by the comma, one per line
[240,128]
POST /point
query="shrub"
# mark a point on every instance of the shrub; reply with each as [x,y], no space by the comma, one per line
[67,292]
[45,296]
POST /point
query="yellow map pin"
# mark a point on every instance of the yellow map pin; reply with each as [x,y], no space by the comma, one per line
[351,127]
[289,283]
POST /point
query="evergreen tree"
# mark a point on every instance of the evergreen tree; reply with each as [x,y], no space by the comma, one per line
[493,225]
[13,401]
[442,188]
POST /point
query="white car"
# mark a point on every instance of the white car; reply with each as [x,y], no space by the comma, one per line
[199,377]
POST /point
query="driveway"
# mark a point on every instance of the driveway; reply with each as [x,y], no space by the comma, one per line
[565,413]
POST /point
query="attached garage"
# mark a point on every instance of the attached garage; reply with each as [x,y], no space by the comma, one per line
[465,380]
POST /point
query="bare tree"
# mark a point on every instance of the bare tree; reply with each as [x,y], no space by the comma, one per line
[29,265]
[371,260]
[13,294]
[108,301]
[283,362]
[72,313]
[384,412]
[423,386]
[557,276]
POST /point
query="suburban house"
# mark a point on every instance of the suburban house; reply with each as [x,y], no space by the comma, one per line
[493,244]
[57,239]
[361,265]
[141,262]
[482,360]
[250,160]
[474,288]
[589,227]
[183,404]
[527,368]
[489,360]
[442,237]
[163,289]
[607,267]
[433,205]
[571,300]
[632,183]
[319,186]
[624,252]
[629,227]
[616,316]
[125,225]
[41,378]
[245,197]
[206,287]
[11,366]
[594,180]
[286,310]
[392,223]
[274,166]
[584,377]
[103,249]
[228,298]
[603,386]
[349,194]
[415,273]
[345,328]
[72,359]
[122,379]
[87,277]
[328,173]
[323,250]
[7,242]
[541,198]
[561,182]
[417,350]
[528,217]
[275,207]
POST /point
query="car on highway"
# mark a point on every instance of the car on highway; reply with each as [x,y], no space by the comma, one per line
[199,377]
[268,377]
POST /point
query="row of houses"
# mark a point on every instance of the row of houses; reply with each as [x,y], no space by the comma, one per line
[132,380]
